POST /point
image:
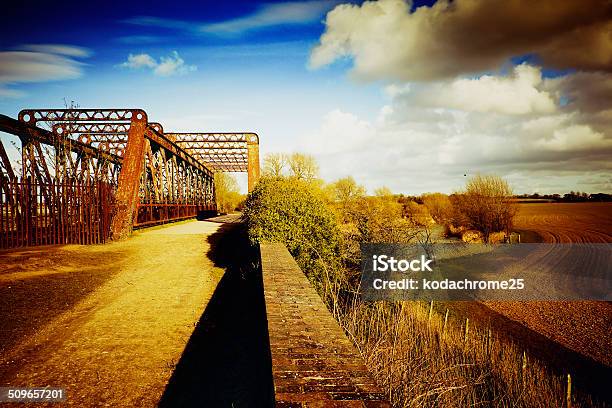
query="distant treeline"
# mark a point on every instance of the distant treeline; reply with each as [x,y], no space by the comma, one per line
[571,197]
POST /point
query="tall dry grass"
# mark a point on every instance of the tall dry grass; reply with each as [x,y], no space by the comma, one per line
[424,359]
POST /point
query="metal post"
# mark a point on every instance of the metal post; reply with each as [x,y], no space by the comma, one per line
[253,160]
[129,178]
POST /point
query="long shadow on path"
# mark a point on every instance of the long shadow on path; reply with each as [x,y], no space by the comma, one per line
[227,362]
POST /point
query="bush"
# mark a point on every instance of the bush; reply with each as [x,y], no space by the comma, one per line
[485,205]
[439,206]
[379,220]
[417,214]
[293,212]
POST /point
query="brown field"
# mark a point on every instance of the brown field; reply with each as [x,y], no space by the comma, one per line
[565,222]
[584,327]
[568,337]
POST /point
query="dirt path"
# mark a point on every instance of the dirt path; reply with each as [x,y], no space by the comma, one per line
[117,341]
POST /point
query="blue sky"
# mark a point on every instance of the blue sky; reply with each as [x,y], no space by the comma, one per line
[249,76]
[360,78]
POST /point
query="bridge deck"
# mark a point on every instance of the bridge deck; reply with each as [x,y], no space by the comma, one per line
[313,362]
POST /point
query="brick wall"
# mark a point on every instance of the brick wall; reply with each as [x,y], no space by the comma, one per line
[314,364]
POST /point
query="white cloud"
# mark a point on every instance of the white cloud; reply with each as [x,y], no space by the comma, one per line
[451,112]
[266,15]
[172,65]
[10,93]
[167,66]
[38,63]
[575,138]
[272,14]
[136,61]
[519,93]
[150,21]
[26,66]
[417,144]
[387,41]
[339,132]
[60,49]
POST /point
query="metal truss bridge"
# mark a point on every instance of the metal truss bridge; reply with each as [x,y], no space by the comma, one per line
[87,175]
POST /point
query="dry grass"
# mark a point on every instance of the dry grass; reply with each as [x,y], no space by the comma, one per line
[422,361]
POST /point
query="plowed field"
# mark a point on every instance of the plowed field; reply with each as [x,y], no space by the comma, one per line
[567,222]
[582,326]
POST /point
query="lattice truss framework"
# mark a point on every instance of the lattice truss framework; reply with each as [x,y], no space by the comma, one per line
[95,144]
[170,174]
[45,155]
[220,151]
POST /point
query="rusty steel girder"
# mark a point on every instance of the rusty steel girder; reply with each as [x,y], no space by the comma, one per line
[227,152]
[216,137]
[218,151]
[107,136]
[73,160]
[156,179]
[32,116]
[114,135]
[154,176]
[117,133]
[98,127]
[158,184]
[15,127]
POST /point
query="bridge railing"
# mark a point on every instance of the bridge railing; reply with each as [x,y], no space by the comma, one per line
[60,212]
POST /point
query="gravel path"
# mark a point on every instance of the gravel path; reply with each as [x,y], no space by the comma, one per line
[115,318]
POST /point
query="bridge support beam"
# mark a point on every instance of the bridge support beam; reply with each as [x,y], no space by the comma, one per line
[129,179]
[252,161]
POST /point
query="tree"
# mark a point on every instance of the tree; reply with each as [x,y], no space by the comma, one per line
[347,189]
[227,193]
[486,205]
[303,166]
[384,192]
[417,214]
[274,164]
[439,206]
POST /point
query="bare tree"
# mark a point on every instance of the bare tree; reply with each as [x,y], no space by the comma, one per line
[347,189]
[486,205]
[303,166]
[274,164]
[439,206]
